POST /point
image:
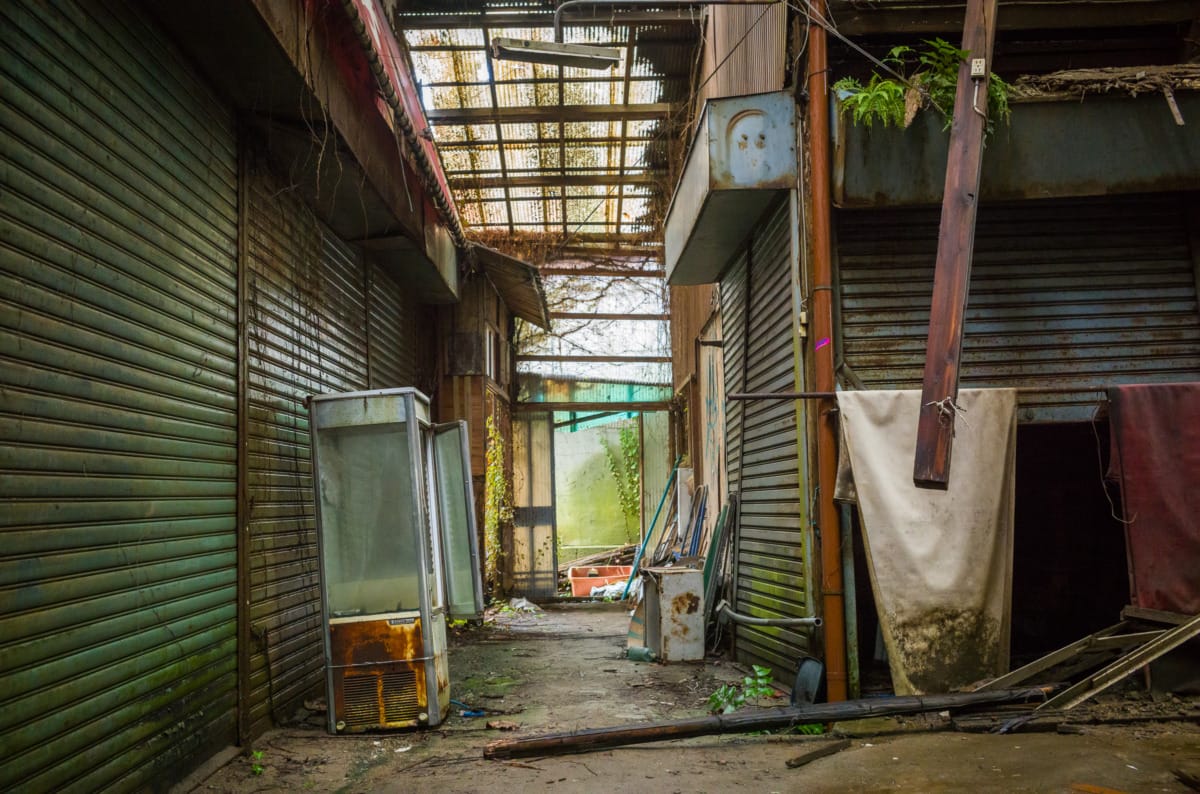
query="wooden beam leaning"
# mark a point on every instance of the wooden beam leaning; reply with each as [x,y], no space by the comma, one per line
[956,243]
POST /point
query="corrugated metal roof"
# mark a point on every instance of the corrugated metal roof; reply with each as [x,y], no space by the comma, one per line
[557,172]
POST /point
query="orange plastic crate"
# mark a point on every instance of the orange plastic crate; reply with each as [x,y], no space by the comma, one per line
[583,578]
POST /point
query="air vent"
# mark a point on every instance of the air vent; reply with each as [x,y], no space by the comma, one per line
[400,700]
[360,693]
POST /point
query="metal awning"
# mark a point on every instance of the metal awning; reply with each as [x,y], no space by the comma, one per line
[742,158]
[519,284]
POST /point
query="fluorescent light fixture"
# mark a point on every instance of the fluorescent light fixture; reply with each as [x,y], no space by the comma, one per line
[555,54]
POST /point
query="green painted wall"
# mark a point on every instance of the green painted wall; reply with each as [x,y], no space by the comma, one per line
[588,510]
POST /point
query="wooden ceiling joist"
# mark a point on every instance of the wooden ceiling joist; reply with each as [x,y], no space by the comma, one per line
[550,113]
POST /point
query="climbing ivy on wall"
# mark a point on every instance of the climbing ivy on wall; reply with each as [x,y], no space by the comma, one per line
[497,506]
[624,464]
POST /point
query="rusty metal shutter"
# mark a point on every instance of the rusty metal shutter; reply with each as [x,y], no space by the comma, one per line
[118,407]
[770,550]
[1081,293]
[394,319]
[306,334]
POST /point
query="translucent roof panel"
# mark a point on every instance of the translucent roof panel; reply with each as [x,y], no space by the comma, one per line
[547,130]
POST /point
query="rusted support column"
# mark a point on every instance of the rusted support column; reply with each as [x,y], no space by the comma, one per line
[832,599]
[956,243]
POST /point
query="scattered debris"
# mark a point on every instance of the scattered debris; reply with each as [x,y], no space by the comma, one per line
[1078,83]
[824,749]
[502,725]
[524,605]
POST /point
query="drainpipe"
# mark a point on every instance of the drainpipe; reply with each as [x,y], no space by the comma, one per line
[832,598]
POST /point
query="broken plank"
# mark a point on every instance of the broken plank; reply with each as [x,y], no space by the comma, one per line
[1064,653]
[1154,615]
[1127,664]
[591,739]
[826,748]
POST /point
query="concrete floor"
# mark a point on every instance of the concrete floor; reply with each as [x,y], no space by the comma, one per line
[564,669]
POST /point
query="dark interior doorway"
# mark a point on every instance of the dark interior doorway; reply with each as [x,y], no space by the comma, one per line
[1069,563]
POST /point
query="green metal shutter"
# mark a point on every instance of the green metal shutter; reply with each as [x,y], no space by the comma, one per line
[770,548]
[306,334]
[1079,293]
[118,408]
[733,350]
[394,323]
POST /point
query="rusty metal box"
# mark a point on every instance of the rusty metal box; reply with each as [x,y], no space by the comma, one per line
[674,600]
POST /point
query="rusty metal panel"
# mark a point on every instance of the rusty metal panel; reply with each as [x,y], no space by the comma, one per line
[745,51]
[118,417]
[1103,146]
[306,334]
[771,549]
[373,690]
[1066,295]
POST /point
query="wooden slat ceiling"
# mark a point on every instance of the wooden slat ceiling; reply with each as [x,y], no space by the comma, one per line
[568,152]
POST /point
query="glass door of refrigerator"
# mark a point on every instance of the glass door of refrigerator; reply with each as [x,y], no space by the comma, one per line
[455,507]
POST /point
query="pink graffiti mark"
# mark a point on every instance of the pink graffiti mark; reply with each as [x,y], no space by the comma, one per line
[822,343]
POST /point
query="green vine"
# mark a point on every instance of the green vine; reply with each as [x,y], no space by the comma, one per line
[931,80]
[625,467]
[497,505]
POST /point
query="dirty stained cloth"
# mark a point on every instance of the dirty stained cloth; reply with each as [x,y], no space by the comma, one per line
[1155,446]
[940,561]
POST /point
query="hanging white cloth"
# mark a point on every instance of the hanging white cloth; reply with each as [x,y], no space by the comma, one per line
[940,561]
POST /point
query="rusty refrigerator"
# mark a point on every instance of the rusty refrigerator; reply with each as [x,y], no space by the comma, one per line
[399,555]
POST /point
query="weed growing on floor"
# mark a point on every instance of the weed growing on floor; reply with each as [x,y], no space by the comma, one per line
[731,697]
[256,768]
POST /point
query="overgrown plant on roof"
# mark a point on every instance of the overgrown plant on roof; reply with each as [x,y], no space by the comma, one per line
[931,80]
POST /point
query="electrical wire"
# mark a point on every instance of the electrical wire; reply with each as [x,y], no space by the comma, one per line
[808,11]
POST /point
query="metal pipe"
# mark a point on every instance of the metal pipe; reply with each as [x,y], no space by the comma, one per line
[853,674]
[633,572]
[823,395]
[649,4]
[832,600]
[724,611]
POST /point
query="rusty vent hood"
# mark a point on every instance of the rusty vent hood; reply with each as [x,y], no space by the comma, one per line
[742,158]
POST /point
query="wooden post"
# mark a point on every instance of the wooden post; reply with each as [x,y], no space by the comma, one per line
[956,241]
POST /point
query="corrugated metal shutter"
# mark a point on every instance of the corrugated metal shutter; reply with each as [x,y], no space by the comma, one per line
[394,318]
[118,413]
[306,335]
[1063,294]
[733,350]
[770,549]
